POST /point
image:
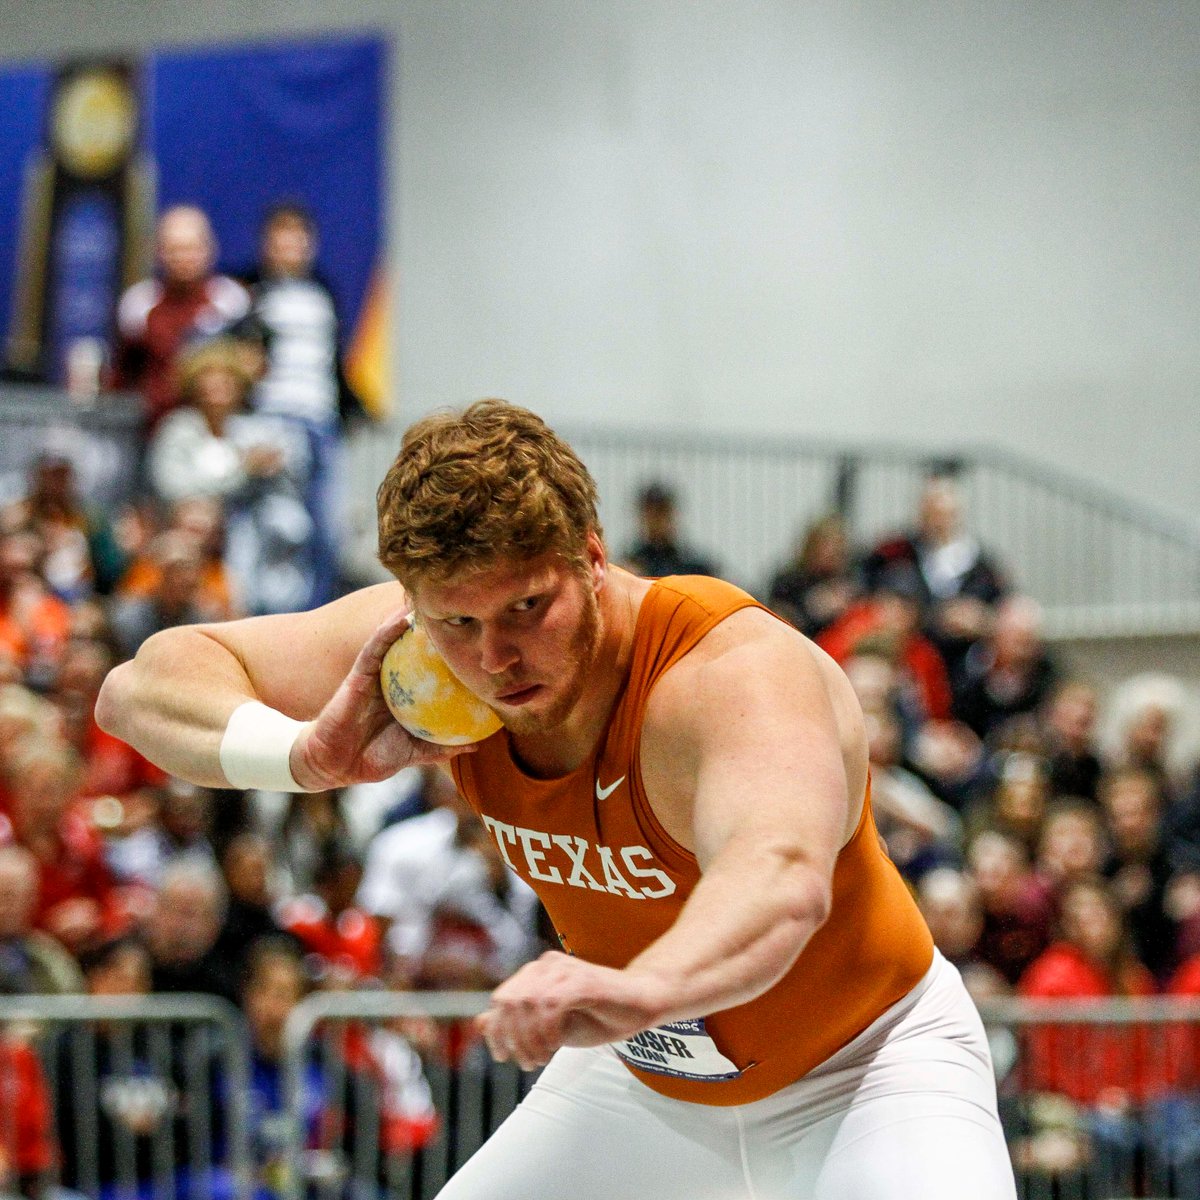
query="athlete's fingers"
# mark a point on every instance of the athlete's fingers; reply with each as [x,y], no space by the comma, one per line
[492,1029]
[534,1040]
[370,657]
[395,748]
[523,1032]
[526,1047]
[536,1023]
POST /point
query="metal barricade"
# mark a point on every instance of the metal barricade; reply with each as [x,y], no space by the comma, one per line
[1100,1099]
[149,1094]
[352,1133]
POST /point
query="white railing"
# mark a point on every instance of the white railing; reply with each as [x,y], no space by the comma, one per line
[1100,564]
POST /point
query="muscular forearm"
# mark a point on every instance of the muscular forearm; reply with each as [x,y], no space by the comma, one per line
[741,930]
[321,720]
[173,700]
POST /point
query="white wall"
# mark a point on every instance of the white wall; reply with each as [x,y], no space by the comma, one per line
[929,222]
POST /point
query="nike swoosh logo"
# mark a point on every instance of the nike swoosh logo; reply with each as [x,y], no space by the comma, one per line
[603,793]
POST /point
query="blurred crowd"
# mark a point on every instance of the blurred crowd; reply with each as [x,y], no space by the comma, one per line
[1047,863]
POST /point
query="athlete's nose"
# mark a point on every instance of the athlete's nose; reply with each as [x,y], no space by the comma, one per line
[496,651]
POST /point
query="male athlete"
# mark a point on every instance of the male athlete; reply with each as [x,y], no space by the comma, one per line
[747,1004]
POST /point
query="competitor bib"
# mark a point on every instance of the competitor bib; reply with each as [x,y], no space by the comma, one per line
[681,1049]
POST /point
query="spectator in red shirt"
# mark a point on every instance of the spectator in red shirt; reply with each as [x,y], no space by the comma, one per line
[77,900]
[346,939]
[1109,1071]
[888,621]
[1092,958]
[27,1149]
[1186,982]
[157,316]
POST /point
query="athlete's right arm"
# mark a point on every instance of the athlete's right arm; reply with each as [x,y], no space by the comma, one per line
[173,700]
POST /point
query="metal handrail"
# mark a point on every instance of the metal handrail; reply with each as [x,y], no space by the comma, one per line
[1102,564]
[180,1007]
[962,457]
[1011,1013]
[351,1006]
[1107,1010]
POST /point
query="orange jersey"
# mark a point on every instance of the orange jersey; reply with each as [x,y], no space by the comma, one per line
[613,880]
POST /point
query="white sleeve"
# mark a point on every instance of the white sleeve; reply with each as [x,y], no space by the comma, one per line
[185,461]
[134,307]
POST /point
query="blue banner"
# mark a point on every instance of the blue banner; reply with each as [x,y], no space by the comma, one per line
[231,129]
[24,92]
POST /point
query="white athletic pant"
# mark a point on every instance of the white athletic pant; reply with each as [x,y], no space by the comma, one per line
[906,1111]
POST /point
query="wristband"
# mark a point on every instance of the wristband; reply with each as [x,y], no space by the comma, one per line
[256,748]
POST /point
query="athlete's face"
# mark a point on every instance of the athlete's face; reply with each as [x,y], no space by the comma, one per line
[521,635]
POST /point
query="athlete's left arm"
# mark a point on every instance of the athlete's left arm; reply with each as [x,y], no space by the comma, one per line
[744,761]
[743,745]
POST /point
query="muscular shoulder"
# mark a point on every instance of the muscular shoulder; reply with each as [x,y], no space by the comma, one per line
[748,652]
[753,682]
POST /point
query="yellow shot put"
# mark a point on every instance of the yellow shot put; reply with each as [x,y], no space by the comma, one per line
[426,698]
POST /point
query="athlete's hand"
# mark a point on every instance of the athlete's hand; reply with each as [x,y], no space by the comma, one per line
[355,739]
[559,1000]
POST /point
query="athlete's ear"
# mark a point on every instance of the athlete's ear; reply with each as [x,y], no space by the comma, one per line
[597,560]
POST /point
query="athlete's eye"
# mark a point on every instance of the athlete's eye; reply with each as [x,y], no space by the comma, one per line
[457,622]
[527,605]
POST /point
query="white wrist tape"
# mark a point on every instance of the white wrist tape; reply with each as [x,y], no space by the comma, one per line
[256,748]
